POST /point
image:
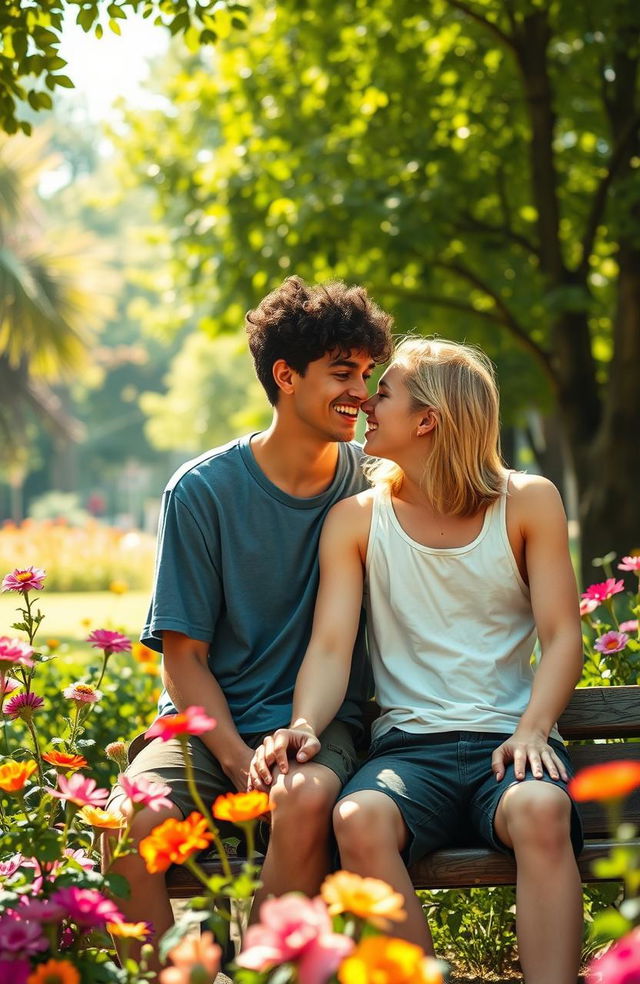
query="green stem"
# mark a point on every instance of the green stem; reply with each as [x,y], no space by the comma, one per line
[106,654]
[197,799]
[36,747]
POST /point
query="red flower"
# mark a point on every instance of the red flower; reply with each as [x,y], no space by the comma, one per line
[192,721]
[610,781]
[604,590]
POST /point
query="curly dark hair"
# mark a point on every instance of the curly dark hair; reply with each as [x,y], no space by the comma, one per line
[301,323]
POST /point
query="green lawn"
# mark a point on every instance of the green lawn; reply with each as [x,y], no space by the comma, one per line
[70,617]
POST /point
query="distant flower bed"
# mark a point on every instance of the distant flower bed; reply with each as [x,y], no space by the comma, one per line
[91,557]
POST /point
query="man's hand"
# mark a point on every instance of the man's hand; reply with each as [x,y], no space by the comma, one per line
[238,771]
[531,747]
[275,751]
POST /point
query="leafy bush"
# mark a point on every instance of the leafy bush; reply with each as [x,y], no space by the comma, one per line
[90,557]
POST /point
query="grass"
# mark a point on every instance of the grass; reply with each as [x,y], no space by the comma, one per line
[70,617]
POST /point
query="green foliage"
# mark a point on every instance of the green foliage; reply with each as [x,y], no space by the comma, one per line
[475,928]
[212,396]
[30,64]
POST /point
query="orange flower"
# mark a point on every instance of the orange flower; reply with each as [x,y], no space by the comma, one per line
[369,898]
[129,930]
[65,761]
[54,972]
[241,807]
[610,781]
[142,653]
[13,775]
[386,960]
[173,841]
[102,819]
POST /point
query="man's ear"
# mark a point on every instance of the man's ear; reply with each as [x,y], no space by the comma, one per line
[428,421]
[283,375]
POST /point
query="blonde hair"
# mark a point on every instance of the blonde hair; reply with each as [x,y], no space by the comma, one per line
[463,471]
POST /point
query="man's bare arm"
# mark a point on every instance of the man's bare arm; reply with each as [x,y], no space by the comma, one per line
[189,681]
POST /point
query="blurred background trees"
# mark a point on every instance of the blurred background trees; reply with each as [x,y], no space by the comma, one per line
[474,163]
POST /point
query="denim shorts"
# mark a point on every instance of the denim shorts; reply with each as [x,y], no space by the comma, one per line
[444,787]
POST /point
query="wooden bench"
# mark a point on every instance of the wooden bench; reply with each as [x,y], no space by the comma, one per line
[593,715]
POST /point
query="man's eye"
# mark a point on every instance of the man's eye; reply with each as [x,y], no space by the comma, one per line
[342,375]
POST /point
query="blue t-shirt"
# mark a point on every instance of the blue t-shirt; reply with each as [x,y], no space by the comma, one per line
[237,567]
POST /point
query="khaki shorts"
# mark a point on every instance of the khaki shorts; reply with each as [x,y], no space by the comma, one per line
[162,761]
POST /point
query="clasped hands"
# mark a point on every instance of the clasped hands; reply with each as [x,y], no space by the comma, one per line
[275,751]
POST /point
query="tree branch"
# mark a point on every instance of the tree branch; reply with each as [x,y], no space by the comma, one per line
[437,300]
[507,318]
[600,196]
[479,19]
[477,224]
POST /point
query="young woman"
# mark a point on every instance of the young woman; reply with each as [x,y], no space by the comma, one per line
[462,563]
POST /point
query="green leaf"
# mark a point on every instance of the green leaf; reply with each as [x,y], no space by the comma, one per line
[608,925]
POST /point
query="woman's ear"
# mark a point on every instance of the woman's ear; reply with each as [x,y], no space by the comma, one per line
[428,421]
[283,375]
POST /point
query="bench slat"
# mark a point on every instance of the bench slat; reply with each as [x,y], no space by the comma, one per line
[469,867]
[602,712]
[594,818]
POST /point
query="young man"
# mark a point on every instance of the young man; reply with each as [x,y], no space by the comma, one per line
[236,579]
[462,563]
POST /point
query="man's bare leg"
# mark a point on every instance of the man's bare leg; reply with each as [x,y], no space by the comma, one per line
[297,858]
[149,899]
[371,834]
[534,819]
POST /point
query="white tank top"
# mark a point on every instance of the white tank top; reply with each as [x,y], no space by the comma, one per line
[451,631]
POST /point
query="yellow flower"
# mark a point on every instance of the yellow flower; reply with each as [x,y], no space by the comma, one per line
[241,807]
[101,819]
[118,587]
[129,930]
[54,972]
[13,775]
[386,960]
[369,898]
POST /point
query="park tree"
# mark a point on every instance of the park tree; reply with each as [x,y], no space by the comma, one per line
[51,301]
[31,68]
[475,162]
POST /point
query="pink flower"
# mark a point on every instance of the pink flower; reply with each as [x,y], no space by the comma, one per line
[191,721]
[294,928]
[8,868]
[111,642]
[199,953]
[611,642]
[40,910]
[630,564]
[8,685]
[620,964]
[80,790]
[587,605]
[81,857]
[14,971]
[146,792]
[24,579]
[20,938]
[630,626]
[87,906]
[604,590]
[14,653]
[23,706]
[82,693]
